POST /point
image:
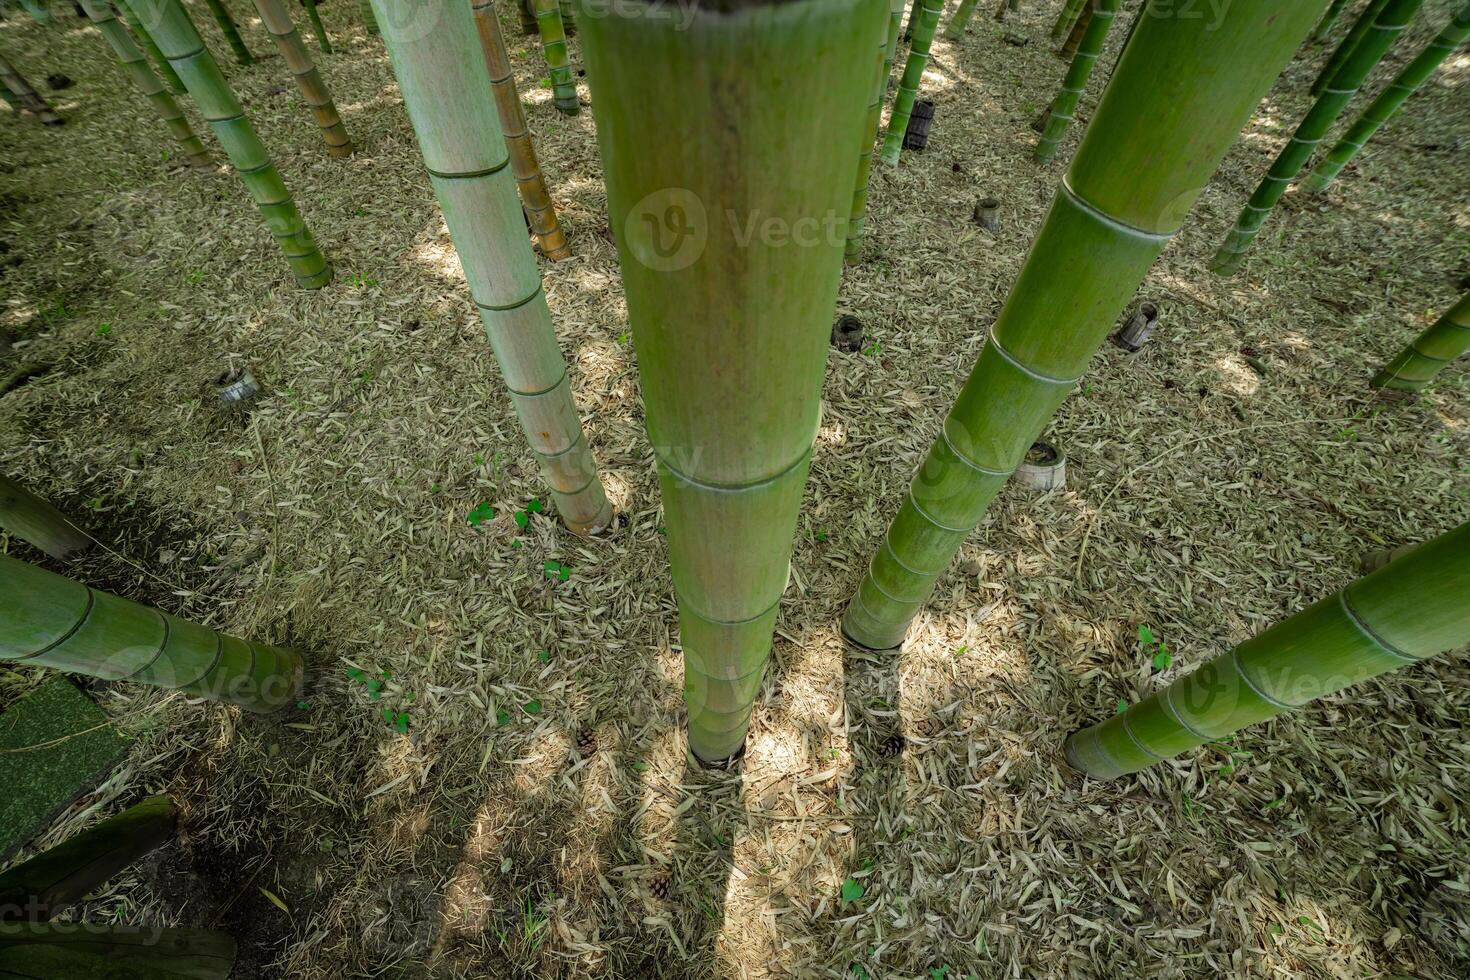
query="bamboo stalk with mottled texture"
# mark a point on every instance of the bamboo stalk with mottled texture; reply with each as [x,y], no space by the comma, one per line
[731,251]
[1348,45]
[170,26]
[1389,102]
[69,951]
[858,220]
[26,96]
[1411,609]
[908,85]
[441,71]
[55,622]
[523,163]
[1430,352]
[278,24]
[146,42]
[317,27]
[1069,47]
[1064,106]
[1392,20]
[36,522]
[135,66]
[554,43]
[1334,10]
[1172,109]
[1071,10]
[231,32]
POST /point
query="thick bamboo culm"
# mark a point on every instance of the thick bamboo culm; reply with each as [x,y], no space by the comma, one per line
[68,951]
[36,522]
[231,32]
[1389,102]
[278,24]
[540,212]
[59,877]
[1071,10]
[731,320]
[135,66]
[146,42]
[442,74]
[1174,106]
[1334,10]
[908,85]
[369,18]
[1411,609]
[185,50]
[1348,45]
[1430,352]
[26,96]
[1392,20]
[317,27]
[1064,106]
[554,43]
[857,220]
[68,626]
[961,19]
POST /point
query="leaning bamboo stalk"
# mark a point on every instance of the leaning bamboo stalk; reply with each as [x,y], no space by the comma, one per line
[908,85]
[554,44]
[37,523]
[1064,106]
[857,220]
[55,622]
[1394,17]
[1430,352]
[1348,45]
[26,96]
[568,16]
[961,19]
[1334,10]
[1175,104]
[38,10]
[231,32]
[146,42]
[1069,47]
[442,74]
[731,280]
[369,19]
[1071,10]
[1409,610]
[278,24]
[1389,102]
[908,26]
[523,163]
[135,66]
[185,50]
[93,951]
[317,27]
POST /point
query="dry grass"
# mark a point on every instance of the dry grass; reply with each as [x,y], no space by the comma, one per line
[1233,469]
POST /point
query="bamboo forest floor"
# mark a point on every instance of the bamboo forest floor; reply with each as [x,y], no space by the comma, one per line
[1221,478]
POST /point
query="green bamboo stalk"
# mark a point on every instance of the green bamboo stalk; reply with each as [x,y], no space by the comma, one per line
[908,27]
[135,66]
[38,10]
[1069,47]
[232,33]
[1328,19]
[1348,45]
[1071,10]
[185,50]
[65,625]
[317,27]
[961,19]
[731,281]
[554,43]
[1389,102]
[26,96]
[1180,94]
[1391,22]
[535,199]
[857,221]
[1409,610]
[895,21]
[277,20]
[568,17]
[369,19]
[908,86]
[1430,352]
[37,523]
[146,42]
[56,879]
[1064,106]
[441,72]
[91,951]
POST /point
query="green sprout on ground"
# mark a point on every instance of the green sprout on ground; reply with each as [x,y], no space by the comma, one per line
[1122,706]
[544,656]
[852,890]
[532,707]
[1162,658]
[556,571]
[482,512]
[398,719]
[103,329]
[873,349]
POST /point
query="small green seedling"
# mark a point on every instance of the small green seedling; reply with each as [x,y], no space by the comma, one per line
[556,571]
[1122,706]
[873,349]
[482,512]
[103,329]
[502,718]
[852,890]
[544,656]
[532,707]
[1162,658]
[398,719]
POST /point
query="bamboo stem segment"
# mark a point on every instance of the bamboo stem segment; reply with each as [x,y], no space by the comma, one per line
[1176,102]
[65,625]
[36,522]
[92,951]
[317,27]
[857,220]
[1071,10]
[913,75]
[185,50]
[1064,106]
[1391,21]
[1389,102]
[369,19]
[554,43]
[1430,352]
[231,32]
[146,42]
[135,65]
[26,96]
[1334,10]
[1069,47]
[1409,610]
[1348,45]
[540,212]
[961,19]
[442,73]
[278,24]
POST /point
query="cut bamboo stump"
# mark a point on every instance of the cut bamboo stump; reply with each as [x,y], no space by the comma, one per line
[1138,329]
[236,388]
[37,523]
[26,96]
[278,24]
[1375,560]
[847,334]
[987,214]
[916,136]
[1043,468]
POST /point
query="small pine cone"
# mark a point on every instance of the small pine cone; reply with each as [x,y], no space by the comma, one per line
[586,742]
[893,746]
[660,887]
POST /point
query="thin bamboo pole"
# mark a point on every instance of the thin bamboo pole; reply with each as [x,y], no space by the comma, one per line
[58,878]
[37,523]
[731,281]
[369,19]
[895,24]
[961,19]
[1348,45]
[1430,352]
[55,622]
[1389,102]
[1070,12]
[1409,610]
[1175,104]
[26,96]
[135,66]
[1334,10]
[278,24]
[857,220]
[231,32]
[554,43]
[317,27]
[908,26]
[908,85]
[1064,106]
[1069,47]
[540,212]
[1394,17]
[92,951]
[185,50]
[441,71]
[568,17]
[146,42]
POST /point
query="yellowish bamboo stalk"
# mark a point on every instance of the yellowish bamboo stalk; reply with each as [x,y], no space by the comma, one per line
[278,24]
